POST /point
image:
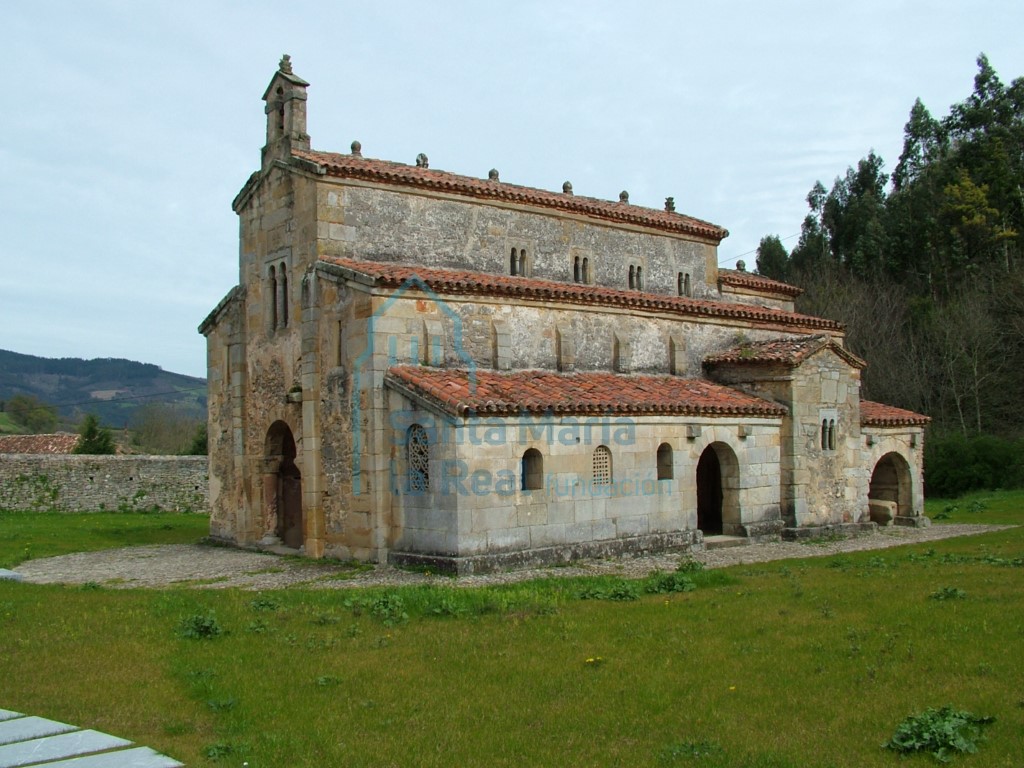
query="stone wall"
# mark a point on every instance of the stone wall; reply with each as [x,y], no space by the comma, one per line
[35,483]
[382,224]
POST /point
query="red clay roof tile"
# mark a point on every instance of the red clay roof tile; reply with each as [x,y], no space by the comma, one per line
[787,352]
[386,172]
[757,282]
[481,392]
[880,415]
[464,282]
[61,442]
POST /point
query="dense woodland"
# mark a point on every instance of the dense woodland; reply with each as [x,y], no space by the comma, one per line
[923,266]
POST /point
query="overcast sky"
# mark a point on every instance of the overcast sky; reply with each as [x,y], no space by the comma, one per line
[128,127]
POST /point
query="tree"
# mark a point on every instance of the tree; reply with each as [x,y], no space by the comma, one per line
[32,414]
[160,428]
[200,442]
[772,259]
[94,439]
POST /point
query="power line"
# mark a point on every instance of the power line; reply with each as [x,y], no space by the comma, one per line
[733,258]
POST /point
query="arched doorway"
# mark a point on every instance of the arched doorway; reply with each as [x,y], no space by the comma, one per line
[718,509]
[889,494]
[282,487]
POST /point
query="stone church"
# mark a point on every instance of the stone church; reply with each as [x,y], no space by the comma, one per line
[418,366]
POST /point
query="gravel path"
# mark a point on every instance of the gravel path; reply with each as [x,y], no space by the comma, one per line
[210,567]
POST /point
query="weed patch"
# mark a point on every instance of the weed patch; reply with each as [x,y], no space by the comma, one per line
[200,627]
[942,733]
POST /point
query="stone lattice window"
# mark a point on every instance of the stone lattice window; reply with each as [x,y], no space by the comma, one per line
[533,470]
[602,465]
[417,448]
[665,470]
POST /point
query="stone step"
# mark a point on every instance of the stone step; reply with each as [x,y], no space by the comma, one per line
[724,542]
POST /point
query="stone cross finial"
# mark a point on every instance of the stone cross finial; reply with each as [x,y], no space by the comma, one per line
[422,161]
[357,149]
[567,188]
[623,196]
[493,174]
[286,64]
[670,204]
[741,265]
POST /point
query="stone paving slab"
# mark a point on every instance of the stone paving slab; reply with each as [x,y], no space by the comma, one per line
[52,748]
[140,757]
[25,728]
[41,743]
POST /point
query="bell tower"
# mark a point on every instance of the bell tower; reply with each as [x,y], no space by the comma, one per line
[286,113]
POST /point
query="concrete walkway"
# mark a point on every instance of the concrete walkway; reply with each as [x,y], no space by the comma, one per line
[42,743]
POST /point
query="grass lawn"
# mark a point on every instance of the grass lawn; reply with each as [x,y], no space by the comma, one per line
[8,427]
[27,535]
[796,663]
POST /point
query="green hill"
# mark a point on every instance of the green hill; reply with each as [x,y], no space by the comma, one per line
[111,388]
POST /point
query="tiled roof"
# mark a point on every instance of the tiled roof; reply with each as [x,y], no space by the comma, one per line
[880,415]
[465,282]
[787,352]
[740,279]
[399,174]
[58,443]
[462,393]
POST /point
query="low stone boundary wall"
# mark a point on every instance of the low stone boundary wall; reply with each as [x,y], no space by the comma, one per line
[73,483]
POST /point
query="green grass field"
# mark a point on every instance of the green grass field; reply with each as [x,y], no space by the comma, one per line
[8,427]
[26,535]
[792,663]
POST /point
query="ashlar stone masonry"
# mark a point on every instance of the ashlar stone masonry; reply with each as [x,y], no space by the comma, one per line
[420,366]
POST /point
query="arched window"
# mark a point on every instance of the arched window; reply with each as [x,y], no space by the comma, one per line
[632,277]
[665,470]
[602,465]
[586,270]
[522,261]
[282,292]
[513,263]
[532,470]
[417,457]
[576,269]
[679,284]
[686,285]
[272,302]
[639,278]
[831,434]
[824,434]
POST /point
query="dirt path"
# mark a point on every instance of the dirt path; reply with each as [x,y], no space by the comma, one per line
[209,567]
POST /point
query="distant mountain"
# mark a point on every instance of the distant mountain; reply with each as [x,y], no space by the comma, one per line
[110,388]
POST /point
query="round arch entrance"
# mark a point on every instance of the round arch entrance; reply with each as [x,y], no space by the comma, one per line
[282,486]
[718,482]
[889,494]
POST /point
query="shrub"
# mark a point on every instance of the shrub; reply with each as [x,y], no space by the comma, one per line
[956,464]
